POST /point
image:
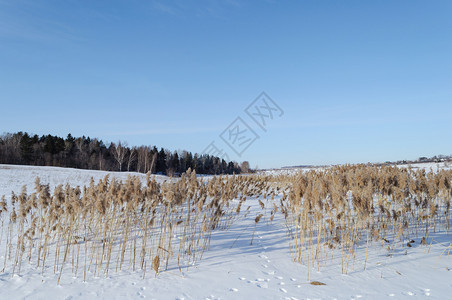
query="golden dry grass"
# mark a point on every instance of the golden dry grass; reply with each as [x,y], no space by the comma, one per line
[111,226]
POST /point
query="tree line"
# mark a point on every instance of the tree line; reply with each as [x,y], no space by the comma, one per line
[94,154]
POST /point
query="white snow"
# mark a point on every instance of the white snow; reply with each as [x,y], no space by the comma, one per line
[233,268]
[429,166]
[426,166]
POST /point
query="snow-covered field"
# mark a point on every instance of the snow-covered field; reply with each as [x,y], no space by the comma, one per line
[429,166]
[426,166]
[233,268]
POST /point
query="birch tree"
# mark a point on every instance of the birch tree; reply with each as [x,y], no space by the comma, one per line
[119,152]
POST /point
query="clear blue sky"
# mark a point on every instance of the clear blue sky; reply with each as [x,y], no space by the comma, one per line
[358,80]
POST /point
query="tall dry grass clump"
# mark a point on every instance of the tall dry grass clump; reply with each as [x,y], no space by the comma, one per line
[329,213]
[344,207]
[111,226]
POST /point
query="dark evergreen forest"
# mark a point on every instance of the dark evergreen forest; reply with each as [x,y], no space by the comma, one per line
[86,153]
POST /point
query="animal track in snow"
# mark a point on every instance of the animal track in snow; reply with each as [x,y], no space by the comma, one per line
[270,273]
[263,285]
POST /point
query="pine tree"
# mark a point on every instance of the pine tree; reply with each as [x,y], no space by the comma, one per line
[26,148]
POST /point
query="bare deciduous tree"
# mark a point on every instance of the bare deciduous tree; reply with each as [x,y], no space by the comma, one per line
[245,166]
[153,163]
[143,158]
[119,152]
[132,157]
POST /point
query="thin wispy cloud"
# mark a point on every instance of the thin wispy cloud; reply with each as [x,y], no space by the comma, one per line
[163,7]
[212,8]
[23,21]
[43,22]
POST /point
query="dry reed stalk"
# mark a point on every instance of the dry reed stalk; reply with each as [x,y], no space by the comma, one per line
[123,214]
[256,220]
[156,264]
